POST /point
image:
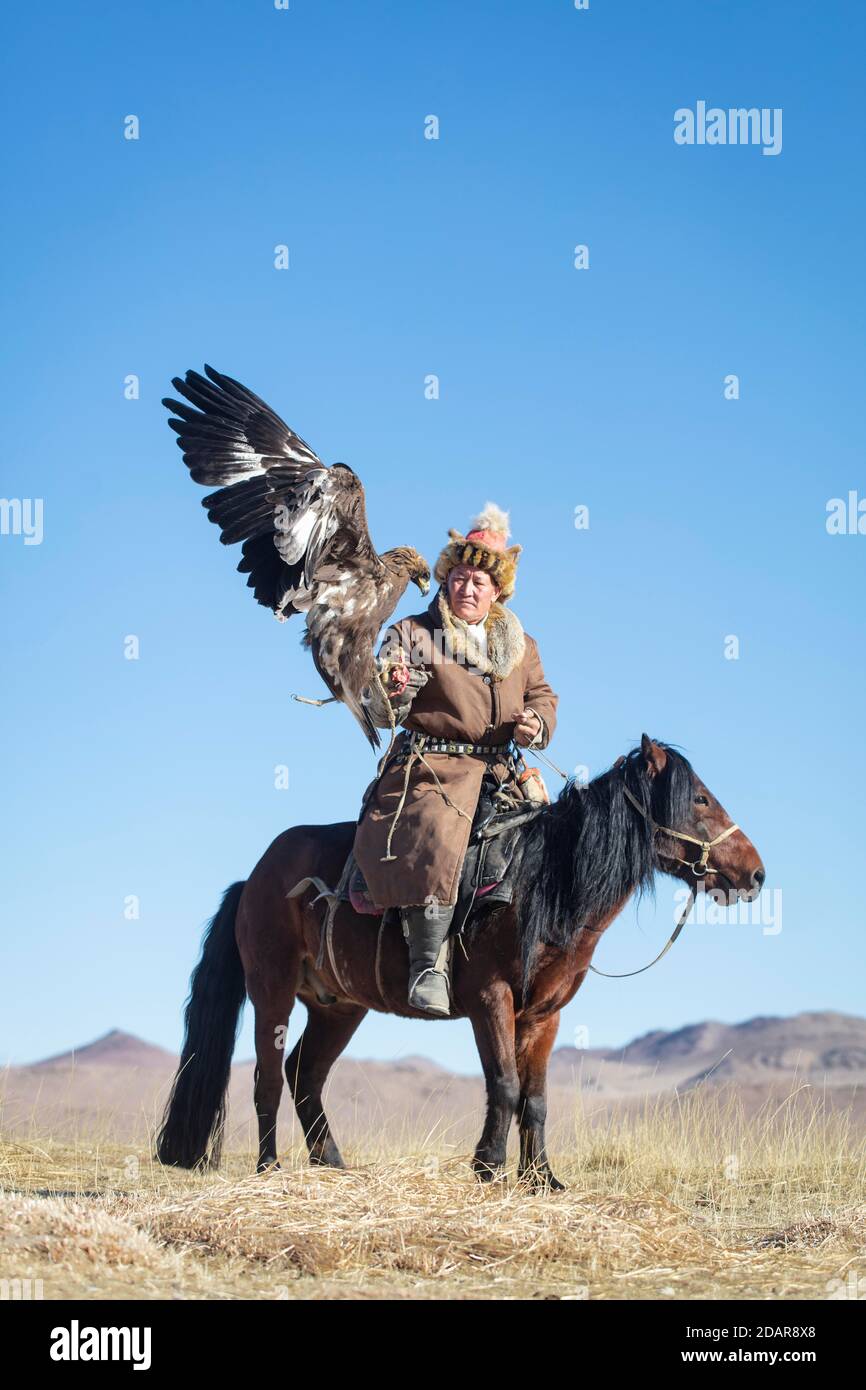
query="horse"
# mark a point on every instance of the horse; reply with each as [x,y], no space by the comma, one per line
[579,862]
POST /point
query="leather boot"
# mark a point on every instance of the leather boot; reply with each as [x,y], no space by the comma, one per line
[426,931]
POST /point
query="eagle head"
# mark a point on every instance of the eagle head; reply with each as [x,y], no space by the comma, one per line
[404,564]
[420,572]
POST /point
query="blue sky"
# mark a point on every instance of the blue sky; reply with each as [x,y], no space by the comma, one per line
[558,388]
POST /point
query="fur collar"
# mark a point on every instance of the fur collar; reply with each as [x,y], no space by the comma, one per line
[505,638]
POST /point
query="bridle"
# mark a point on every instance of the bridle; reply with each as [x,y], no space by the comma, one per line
[700,867]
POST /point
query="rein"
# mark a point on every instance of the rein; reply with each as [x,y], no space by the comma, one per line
[700,867]
[667,946]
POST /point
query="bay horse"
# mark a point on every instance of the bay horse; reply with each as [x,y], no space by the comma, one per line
[579,862]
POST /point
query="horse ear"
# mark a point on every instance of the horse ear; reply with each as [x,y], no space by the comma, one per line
[654,756]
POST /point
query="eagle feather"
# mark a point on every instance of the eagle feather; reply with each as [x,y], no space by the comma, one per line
[306,547]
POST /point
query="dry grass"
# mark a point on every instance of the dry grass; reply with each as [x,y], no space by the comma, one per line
[687,1199]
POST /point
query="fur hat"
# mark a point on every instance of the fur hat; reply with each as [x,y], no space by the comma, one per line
[484,548]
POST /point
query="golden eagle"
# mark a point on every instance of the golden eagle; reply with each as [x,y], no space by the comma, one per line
[306,547]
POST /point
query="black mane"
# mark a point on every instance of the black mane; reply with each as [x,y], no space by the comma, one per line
[591,848]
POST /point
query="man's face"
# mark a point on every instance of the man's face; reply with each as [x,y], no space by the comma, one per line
[470,593]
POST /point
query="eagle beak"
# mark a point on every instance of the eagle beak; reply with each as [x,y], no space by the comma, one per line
[423,584]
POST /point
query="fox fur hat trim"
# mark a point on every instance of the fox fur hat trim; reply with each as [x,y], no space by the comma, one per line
[483,547]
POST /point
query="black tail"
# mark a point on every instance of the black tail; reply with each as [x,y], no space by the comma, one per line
[194,1119]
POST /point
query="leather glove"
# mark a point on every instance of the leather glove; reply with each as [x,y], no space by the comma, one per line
[411,680]
[401,680]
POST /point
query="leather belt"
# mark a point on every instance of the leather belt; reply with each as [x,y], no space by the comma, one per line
[448,746]
[425,744]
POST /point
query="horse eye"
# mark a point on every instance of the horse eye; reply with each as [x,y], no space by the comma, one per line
[701,801]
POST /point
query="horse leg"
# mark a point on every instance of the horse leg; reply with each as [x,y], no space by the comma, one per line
[271,933]
[494,1037]
[327,1032]
[273,1009]
[534,1043]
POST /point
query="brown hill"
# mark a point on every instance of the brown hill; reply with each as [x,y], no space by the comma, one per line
[115,1087]
[115,1048]
[824,1049]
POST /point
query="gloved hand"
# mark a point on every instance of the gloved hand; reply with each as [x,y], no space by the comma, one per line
[406,681]
[401,680]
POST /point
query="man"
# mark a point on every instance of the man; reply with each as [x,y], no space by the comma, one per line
[463,673]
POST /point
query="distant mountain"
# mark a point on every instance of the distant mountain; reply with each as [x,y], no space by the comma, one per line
[116,1086]
[114,1048]
[826,1046]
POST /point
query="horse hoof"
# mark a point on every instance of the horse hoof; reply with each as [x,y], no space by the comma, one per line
[487,1174]
[533,1180]
[268,1165]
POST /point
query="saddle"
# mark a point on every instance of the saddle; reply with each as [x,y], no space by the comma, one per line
[487,873]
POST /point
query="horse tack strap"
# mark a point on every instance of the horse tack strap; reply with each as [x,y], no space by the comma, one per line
[379,983]
[332,899]
[326,939]
[667,946]
[699,866]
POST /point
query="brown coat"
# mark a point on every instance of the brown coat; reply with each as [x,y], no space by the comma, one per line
[432,830]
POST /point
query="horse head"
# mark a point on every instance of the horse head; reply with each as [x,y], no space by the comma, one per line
[695,838]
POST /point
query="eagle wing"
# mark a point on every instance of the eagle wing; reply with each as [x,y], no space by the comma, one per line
[306,546]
